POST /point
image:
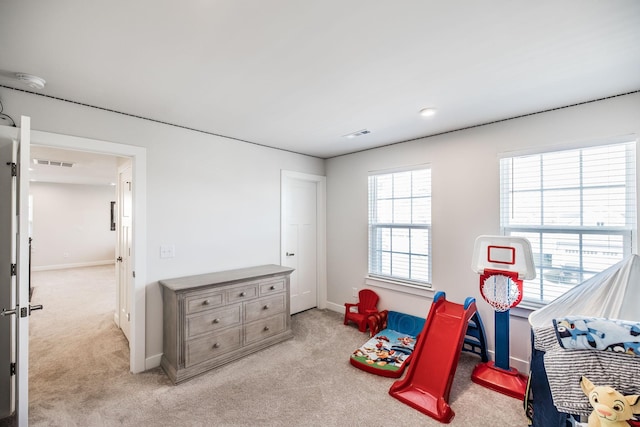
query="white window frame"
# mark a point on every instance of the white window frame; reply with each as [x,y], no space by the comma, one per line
[375,276]
[628,231]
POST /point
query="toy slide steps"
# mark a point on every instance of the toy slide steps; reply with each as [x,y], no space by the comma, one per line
[429,377]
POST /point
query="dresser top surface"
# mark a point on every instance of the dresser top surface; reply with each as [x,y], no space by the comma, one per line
[225,277]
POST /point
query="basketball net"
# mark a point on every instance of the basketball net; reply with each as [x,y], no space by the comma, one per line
[501,289]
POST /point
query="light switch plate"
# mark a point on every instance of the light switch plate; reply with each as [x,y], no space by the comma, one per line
[167,251]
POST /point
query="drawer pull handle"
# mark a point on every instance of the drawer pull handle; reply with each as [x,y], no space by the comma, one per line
[266,328]
[206,302]
[273,288]
[243,294]
[266,307]
[216,320]
[216,345]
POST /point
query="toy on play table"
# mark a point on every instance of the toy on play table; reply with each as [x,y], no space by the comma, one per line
[503,262]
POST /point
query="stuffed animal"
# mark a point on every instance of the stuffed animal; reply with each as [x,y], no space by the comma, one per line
[610,408]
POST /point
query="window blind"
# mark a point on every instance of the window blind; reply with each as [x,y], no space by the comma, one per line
[400,225]
[577,207]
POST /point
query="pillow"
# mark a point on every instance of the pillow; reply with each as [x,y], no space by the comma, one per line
[593,333]
[386,354]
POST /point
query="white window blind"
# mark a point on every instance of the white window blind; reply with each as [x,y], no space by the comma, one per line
[400,226]
[577,208]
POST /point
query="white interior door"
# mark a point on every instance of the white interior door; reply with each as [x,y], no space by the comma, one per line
[8,193]
[23,273]
[14,282]
[299,240]
[125,233]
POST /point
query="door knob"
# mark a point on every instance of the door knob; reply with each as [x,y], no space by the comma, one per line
[119,259]
[35,307]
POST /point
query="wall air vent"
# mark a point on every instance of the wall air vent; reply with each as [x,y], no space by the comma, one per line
[53,163]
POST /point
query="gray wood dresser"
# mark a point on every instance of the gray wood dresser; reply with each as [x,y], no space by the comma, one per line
[212,319]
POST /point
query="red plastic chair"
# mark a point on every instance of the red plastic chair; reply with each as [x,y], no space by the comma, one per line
[366,306]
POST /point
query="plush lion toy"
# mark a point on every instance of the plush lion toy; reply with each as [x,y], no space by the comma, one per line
[610,408]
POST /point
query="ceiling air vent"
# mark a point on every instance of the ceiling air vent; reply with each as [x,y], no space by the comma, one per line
[53,163]
[357,133]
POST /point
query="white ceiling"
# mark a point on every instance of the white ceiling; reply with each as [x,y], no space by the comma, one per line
[298,75]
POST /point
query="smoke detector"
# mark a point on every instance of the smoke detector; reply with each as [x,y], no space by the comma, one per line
[34,82]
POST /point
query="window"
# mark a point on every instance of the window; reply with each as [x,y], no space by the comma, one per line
[577,208]
[400,226]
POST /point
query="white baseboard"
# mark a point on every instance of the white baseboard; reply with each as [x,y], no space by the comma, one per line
[152,362]
[72,265]
[521,365]
[335,307]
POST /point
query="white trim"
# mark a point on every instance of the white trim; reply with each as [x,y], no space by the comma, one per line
[321,223]
[152,361]
[138,156]
[569,145]
[73,265]
[398,286]
[335,307]
[400,169]
[522,310]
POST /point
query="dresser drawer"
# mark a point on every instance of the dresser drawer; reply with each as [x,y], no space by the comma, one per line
[212,320]
[210,346]
[272,287]
[264,307]
[199,302]
[242,293]
[264,328]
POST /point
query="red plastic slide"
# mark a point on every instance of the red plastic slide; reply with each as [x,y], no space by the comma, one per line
[427,383]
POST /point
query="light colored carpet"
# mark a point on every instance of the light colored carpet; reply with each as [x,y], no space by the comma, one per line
[80,377]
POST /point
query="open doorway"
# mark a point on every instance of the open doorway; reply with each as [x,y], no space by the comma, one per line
[75,216]
[136,291]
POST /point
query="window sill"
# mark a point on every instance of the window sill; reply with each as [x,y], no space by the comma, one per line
[398,286]
[522,310]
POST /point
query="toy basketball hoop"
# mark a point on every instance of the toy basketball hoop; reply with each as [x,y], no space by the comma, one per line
[500,290]
[503,262]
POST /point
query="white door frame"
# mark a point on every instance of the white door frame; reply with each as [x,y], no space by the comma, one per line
[22,323]
[321,228]
[138,155]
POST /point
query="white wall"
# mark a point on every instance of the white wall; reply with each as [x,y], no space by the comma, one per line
[217,200]
[71,225]
[465,176]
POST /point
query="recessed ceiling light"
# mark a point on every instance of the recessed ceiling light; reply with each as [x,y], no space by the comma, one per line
[34,82]
[427,112]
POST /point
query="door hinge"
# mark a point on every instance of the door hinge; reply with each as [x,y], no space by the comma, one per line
[12,369]
[14,168]
[14,268]
[133,273]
